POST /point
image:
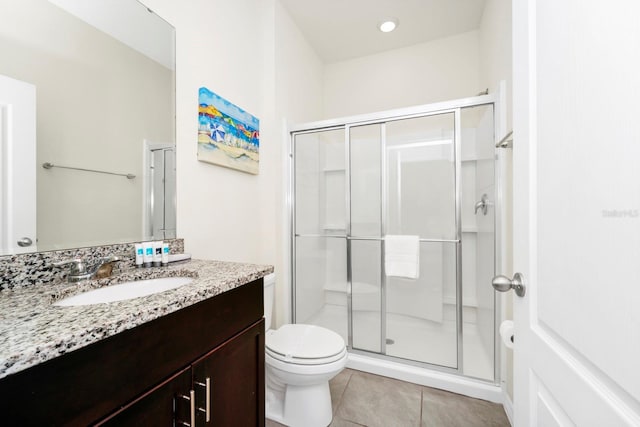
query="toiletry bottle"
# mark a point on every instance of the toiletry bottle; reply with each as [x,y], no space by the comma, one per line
[148,253]
[139,255]
[165,254]
[157,253]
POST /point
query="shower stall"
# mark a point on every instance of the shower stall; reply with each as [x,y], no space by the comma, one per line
[427,171]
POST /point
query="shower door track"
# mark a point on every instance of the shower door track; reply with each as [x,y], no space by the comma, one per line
[419,364]
[399,113]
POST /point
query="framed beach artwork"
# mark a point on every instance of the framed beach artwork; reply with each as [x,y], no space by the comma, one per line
[227,135]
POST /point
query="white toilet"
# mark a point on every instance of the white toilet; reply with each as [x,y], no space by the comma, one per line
[299,360]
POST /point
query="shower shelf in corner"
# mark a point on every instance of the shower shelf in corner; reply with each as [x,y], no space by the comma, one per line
[334,227]
[476,159]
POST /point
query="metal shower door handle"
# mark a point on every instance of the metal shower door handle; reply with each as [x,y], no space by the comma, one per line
[482,204]
[503,284]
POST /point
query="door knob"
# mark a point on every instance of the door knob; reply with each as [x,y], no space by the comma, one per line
[503,284]
[24,242]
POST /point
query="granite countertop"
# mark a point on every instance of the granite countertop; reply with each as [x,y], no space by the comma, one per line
[32,330]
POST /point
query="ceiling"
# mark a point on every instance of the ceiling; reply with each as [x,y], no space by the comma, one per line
[344,29]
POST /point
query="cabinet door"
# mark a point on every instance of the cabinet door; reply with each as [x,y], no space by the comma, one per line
[164,405]
[235,373]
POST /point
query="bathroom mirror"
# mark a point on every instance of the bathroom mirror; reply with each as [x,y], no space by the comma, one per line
[101,79]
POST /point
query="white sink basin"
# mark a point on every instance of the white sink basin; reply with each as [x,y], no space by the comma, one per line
[124,291]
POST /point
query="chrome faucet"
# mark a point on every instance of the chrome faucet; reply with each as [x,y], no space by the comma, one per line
[482,204]
[79,269]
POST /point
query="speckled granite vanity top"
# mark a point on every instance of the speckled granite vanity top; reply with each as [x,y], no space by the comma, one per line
[32,330]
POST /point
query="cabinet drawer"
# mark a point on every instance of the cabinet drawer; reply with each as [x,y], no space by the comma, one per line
[158,407]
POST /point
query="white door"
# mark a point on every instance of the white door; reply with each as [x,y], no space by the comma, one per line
[17,166]
[577,212]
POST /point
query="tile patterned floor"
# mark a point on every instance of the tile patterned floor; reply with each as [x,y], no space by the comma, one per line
[362,399]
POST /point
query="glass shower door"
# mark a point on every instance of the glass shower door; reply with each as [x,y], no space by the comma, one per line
[478,205]
[320,244]
[365,239]
[421,313]
[403,182]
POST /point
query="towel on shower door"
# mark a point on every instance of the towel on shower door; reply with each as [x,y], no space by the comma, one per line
[402,256]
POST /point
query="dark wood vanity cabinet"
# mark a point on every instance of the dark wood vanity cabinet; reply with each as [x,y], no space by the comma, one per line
[144,376]
[224,384]
[235,373]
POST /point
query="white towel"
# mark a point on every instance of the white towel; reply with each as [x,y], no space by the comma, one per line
[402,256]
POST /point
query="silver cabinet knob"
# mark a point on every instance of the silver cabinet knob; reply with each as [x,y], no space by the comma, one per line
[503,284]
[24,242]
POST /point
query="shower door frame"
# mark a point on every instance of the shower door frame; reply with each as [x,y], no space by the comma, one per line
[345,124]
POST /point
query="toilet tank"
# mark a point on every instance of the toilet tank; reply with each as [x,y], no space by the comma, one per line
[269,292]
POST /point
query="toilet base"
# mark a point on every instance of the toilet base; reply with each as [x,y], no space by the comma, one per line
[300,406]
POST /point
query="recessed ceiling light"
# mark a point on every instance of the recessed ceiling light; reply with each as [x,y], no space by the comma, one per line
[388,25]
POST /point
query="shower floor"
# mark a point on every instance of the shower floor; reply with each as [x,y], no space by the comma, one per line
[413,338]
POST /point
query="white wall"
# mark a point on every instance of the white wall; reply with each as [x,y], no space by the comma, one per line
[249,52]
[219,45]
[298,85]
[495,48]
[440,70]
[299,72]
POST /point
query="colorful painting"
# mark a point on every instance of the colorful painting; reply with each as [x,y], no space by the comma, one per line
[227,135]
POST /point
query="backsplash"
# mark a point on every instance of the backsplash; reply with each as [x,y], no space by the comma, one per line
[17,271]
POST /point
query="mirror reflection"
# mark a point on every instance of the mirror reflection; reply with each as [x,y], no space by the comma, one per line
[86,124]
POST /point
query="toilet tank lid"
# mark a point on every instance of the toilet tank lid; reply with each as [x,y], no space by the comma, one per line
[304,342]
[269,279]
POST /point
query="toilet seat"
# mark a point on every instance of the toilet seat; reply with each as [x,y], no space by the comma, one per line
[304,345]
[297,361]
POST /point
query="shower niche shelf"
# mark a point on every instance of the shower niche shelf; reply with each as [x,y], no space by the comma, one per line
[333,228]
[476,159]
